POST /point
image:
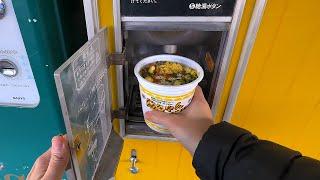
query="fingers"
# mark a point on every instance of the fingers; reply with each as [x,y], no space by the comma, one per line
[198,94]
[162,118]
[59,158]
[167,119]
[40,166]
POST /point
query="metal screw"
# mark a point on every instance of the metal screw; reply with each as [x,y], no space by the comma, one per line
[133,160]
[1,166]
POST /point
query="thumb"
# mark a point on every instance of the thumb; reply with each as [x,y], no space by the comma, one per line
[59,158]
[161,118]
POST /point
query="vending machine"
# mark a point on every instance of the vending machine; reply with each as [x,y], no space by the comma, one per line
[36,37]
[202,30]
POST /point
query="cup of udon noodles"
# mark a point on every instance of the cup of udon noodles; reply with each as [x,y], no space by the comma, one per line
[167,83]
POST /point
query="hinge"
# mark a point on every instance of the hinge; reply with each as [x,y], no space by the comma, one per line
[119,114]
[116,59]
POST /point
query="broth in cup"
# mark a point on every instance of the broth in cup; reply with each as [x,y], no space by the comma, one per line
[168,73]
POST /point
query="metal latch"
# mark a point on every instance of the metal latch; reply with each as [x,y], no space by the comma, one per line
[134,159]
[116,59]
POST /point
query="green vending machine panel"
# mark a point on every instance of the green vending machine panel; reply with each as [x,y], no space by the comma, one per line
[36,37]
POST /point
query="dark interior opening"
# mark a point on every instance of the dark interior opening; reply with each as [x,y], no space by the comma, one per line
[204,47]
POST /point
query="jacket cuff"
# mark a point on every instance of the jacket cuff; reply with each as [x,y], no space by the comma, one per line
[214,148]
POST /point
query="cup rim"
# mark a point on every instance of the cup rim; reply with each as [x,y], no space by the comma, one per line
[171,58]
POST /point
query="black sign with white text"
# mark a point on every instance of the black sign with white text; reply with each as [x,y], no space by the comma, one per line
[177,7]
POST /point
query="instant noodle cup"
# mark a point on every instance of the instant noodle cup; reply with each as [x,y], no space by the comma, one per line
[166,98]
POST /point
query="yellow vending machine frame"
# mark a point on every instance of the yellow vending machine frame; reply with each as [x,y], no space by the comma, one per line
[150,152]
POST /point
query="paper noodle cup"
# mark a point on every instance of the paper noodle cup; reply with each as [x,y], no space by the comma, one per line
[165,98]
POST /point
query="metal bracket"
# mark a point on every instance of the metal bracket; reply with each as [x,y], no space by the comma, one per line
[116,59]
[110,157]
[119,114]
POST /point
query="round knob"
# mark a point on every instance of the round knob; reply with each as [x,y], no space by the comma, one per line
[134,170]
[2,9]
[8,68]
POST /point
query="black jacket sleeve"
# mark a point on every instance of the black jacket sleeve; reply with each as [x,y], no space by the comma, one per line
[227,152]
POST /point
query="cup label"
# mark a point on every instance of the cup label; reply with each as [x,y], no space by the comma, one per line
[169,104]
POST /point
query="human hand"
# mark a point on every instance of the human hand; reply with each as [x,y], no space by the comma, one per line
[189,125]
[51,164]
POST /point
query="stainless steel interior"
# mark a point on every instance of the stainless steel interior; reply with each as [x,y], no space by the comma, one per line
[205,46]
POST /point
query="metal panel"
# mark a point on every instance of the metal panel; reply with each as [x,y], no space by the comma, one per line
[244,59]
[233,27]
[82,84]
[233,32]
[92,17]
[175,26]
[110,157]
[119,68]
[207,19]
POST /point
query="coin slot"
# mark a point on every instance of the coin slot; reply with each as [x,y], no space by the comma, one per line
[8,68]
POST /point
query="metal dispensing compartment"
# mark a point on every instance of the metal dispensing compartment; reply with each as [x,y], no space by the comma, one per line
[201,30]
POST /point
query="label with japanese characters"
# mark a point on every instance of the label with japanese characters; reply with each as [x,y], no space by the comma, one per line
[169,104]
[177,7]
